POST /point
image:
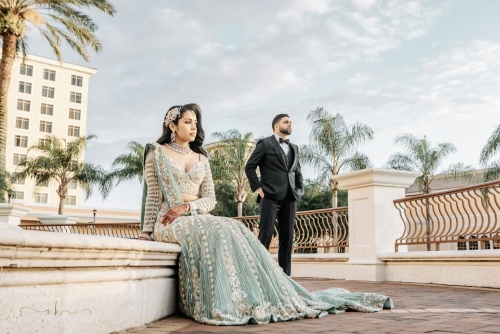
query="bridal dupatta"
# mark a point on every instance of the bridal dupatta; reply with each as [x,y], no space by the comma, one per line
[226,276]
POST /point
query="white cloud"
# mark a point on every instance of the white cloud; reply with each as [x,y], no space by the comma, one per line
[358,80]
[239,59]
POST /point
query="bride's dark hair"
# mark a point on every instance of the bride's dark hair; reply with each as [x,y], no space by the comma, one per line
[197,144]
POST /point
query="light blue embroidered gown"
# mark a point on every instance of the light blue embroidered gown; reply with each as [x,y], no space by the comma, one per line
[226,277]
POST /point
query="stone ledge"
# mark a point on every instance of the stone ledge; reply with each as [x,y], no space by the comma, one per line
[443,256]
[31,278]
[330,257]
[51,240]
[50,257]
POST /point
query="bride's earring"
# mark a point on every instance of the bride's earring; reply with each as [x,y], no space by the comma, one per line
[172,136]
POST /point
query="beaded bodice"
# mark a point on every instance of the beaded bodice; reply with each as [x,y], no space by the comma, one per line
[189,182]
[197,180]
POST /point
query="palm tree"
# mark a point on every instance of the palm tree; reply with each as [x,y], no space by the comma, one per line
[59,161]
[333,147]
[420,156]
[230,155]
[57,20]
[489,150]
[6,180]
[129,165]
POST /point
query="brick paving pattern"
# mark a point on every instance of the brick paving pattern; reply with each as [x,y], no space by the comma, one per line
[420,308]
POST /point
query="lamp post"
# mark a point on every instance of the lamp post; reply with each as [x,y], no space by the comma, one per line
[94,212]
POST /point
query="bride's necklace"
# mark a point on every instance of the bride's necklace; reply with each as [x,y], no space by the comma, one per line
[178,148]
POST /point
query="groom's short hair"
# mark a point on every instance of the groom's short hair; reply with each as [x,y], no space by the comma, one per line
[277,118]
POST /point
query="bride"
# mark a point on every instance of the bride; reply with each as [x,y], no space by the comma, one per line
[226,276]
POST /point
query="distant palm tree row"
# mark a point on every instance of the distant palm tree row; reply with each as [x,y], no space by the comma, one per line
[333,149]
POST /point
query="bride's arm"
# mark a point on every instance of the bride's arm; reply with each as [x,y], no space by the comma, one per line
[207,201]
[153,196]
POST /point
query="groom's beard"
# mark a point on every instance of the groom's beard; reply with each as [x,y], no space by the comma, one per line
[285,131]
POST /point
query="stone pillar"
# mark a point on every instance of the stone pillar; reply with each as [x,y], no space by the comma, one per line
[374,222]
[12,214]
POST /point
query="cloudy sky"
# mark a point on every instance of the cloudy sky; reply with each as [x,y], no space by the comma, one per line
[421,67]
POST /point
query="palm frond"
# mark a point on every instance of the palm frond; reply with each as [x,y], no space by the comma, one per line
[401,161]
[357,162]
[492,171]
[460,171]
[491,147]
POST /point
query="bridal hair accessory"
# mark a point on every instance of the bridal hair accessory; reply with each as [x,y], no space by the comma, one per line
[172,115]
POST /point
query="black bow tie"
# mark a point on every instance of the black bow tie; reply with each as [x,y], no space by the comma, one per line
[286,141]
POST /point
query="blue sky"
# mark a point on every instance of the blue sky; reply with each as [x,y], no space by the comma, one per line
[421,67]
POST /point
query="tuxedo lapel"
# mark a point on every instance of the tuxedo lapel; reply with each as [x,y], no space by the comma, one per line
[295,156]
[279,152]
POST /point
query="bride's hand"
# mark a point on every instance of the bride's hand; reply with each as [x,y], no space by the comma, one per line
[174,212]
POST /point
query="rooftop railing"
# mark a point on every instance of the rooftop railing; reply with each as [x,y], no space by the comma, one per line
[316,231]
[467,218]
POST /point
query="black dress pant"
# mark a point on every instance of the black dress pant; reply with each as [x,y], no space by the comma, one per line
[284,210]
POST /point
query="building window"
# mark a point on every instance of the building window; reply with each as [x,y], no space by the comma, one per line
[47,109]
[70,200]
[43,141]
[473,245]
[26,70]
[496,244]
[17,158]
[49,75]
[24,87]
[22,123]
[18,180]
[75,97]
[72,184]
[23,105]
[75,114]
[73,164]
[73,131]
[41,197]
[461,245]
[42,184]
[20,141]
[45,126]
[76,80]
[48,92]
[485,244]
[18,194]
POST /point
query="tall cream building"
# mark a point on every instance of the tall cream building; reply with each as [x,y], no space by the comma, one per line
[45,98]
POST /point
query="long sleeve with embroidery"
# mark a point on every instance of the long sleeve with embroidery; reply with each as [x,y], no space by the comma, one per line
[206,202]
[153,196]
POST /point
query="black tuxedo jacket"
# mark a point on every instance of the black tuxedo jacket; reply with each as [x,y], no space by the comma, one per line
[275,176]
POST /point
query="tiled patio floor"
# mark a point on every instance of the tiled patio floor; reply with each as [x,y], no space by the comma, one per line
[421,308]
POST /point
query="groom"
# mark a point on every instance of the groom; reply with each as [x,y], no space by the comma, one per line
[279,188]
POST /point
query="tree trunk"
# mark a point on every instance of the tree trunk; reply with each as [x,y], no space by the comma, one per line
[335,194]
[334,186]
[240,196]
[8,56]
[61,206]
[62,191]
[240,209]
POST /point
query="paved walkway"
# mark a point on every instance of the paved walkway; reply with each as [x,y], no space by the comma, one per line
[420,308]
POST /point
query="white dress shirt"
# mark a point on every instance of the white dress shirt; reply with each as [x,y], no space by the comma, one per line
[284,146]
